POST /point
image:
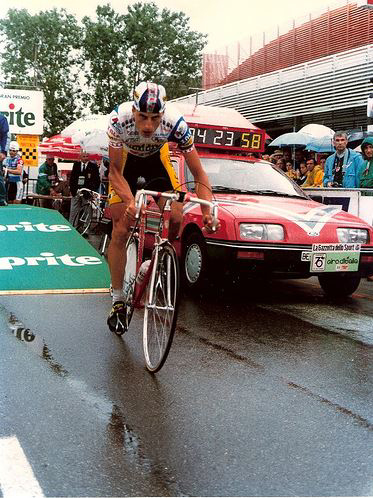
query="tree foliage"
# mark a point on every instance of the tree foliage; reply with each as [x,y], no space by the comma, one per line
[162,48]
[98,63]
[42,51]
[104,50]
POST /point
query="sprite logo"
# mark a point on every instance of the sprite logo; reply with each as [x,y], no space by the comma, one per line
[18,117]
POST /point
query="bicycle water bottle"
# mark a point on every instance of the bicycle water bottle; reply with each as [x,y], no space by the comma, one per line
[139,279]
[142,272]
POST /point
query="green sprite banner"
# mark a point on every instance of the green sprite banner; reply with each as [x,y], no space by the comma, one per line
[40,252]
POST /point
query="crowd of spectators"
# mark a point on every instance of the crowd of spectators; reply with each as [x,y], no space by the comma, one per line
[345,168]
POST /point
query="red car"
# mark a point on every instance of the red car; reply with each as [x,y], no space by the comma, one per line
[269,226]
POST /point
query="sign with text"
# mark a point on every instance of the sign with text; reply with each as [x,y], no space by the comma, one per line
[335,257]
[41,253]
[29,145]
[24,110]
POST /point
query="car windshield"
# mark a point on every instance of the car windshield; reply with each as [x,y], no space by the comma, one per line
[259,178]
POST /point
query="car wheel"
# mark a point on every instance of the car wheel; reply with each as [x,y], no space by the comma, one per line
[339,285]
[194,261]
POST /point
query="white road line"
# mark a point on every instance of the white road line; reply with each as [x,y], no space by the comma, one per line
[17,479]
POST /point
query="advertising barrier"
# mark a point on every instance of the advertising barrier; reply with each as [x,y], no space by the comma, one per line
[40,252]
[24,110]
[358,202]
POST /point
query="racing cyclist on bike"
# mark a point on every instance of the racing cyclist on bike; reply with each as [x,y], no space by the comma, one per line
[138,133]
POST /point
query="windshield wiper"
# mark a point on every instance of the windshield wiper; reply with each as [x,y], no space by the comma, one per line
[276,193]
[232,190]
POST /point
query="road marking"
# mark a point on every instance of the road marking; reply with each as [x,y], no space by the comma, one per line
[17,479]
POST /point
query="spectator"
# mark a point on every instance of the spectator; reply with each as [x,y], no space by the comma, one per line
[85,174]
[298,159]
[280,164]
[14,168]
[104,176]
[290,172]
[47,179]
[366,176]
[343,168]
[278,154]
[265,157]
[61,188]
[319,177]
[287,156]
[4,130]
[313,170]
[302,175]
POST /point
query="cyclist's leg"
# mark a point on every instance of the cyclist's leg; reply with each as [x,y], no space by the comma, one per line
[117,320]
[119,236]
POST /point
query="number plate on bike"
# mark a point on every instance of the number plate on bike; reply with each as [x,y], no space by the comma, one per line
[335,257]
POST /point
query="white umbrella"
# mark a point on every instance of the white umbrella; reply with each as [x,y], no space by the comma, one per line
[90,132]
[317,130]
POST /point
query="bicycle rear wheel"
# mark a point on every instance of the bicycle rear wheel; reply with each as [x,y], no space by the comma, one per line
[130,278]
[83,219]
[161,306]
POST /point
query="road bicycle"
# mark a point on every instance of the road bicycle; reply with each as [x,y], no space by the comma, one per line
[92,213]
[158,289]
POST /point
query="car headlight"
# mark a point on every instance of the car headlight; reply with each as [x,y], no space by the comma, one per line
[261,231]
[358,235]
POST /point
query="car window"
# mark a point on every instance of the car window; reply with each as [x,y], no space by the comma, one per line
[259,177]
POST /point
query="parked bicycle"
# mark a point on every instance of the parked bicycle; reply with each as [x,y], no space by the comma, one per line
[93,214]
[159,282]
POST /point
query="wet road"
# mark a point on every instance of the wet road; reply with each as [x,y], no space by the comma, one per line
[266,392]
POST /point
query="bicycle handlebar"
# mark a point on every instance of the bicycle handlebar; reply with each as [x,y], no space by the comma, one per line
[93,193]
[176,196]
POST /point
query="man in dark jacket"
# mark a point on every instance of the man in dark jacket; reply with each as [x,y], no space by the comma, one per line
[4,130]
[85,174]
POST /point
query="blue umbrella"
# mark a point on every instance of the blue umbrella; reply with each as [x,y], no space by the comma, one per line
[295,139]
[304,140]
[321,144]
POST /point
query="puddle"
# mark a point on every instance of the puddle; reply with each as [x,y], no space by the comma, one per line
[119,432]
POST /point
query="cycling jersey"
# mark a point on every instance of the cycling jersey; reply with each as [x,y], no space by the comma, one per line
[122,131]
[12,163]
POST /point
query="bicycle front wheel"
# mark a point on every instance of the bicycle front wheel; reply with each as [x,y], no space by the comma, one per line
[161,306]
[83,219]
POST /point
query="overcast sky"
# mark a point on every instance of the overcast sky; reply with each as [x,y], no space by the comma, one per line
[224,21]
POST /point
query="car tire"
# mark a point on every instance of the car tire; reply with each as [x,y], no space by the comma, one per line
[194,261]
[339,284]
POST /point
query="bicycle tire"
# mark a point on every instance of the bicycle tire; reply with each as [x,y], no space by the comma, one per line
[130,278]
[83,219]
[161,308]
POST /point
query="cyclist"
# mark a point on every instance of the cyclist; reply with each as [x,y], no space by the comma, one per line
[138,134]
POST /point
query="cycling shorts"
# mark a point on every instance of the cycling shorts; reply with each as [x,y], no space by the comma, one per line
[156,170]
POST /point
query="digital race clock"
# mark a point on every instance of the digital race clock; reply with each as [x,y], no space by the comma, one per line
[244,140]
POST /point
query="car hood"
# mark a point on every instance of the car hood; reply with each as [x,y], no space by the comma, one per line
[309,216]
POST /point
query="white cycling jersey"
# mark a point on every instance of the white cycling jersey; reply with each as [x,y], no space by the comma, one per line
[122,131]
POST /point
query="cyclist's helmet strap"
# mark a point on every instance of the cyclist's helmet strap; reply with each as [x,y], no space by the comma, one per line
[149,97]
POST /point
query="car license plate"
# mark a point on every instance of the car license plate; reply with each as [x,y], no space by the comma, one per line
[335,257]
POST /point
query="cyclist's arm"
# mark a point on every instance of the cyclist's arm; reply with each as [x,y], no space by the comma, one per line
[203,187]
[118,182]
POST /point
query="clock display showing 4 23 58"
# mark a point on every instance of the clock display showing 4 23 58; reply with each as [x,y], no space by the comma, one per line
[245,140]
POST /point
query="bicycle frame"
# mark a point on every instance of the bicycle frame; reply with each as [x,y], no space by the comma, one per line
[161,236]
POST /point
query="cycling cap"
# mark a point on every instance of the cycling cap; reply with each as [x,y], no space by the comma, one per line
[14,146]
[149,97]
